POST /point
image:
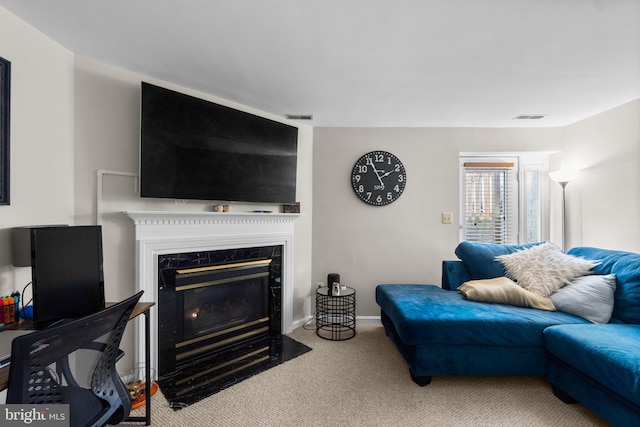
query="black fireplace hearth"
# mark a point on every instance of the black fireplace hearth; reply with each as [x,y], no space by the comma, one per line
[270,351]
[219,318]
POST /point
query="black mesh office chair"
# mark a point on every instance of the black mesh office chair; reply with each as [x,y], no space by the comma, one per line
[74,363]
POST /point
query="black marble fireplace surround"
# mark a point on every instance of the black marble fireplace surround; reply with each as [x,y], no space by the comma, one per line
[219,320]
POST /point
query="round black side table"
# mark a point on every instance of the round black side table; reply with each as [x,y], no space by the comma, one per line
[336,315]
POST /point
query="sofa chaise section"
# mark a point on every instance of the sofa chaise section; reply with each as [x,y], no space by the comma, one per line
[439,332]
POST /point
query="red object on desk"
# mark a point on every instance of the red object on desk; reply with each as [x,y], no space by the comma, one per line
[7,310]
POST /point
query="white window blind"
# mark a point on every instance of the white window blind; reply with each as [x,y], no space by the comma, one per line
[489,202]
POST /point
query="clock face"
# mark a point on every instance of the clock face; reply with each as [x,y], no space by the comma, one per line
[378,178]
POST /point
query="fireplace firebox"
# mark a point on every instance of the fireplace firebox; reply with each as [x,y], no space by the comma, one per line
[218,313]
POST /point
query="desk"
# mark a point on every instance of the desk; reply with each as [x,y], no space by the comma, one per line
[140,308]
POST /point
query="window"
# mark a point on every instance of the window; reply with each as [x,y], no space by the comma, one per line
[532,212]
[504,199]
[488,200]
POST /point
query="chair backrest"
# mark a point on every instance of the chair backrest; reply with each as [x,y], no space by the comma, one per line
[74,363]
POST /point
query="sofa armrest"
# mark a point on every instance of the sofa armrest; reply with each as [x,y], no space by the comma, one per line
[454,274]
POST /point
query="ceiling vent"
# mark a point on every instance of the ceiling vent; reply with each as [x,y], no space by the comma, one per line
[299,116]
[530,116]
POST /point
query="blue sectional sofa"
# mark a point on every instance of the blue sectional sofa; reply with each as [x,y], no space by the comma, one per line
[440,332]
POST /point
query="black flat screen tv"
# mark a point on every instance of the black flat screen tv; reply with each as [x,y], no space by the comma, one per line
[67,273]
[191,148]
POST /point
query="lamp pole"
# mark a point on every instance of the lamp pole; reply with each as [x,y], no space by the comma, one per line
[564,215]
[563,178]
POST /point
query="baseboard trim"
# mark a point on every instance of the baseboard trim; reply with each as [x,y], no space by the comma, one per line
[369,320]
[363,320]
[301,322]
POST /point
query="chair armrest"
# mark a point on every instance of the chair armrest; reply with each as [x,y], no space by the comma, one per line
[454,274]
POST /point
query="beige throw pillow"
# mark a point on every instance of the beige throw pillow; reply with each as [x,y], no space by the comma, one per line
[544,269]
[503,290]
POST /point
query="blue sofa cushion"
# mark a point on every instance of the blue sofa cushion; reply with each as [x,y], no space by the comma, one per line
[480,258]
[454,274]
[609,354]
[626,267]
[427,314]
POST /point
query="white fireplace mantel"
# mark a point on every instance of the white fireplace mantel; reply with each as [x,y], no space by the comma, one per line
[166,232]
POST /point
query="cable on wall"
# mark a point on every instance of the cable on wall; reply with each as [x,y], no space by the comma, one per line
[100,175]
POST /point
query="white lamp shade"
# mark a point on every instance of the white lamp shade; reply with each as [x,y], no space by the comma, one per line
[561,176]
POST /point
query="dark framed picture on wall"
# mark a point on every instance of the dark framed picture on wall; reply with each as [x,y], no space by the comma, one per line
[5,88]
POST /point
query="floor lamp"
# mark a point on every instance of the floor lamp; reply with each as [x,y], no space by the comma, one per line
[563,178]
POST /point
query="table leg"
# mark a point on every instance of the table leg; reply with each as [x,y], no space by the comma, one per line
[147,362]
[147,372]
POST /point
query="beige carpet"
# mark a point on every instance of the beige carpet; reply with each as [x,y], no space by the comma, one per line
[365,382]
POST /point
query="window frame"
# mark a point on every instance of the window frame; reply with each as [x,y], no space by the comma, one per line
[524,162]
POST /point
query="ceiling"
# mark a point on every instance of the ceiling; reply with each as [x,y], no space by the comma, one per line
[369,63]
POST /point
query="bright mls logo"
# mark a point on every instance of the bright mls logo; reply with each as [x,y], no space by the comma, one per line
[34,415]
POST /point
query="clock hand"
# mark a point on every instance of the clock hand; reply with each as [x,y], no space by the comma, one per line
[370,162]
[376,171]
[387,174]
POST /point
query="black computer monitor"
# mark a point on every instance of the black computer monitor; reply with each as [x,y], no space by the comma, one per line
[67,272]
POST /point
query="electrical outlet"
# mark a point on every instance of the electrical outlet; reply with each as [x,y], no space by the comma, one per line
[447,217]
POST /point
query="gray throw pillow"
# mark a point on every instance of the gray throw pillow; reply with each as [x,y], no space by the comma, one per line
[589,297]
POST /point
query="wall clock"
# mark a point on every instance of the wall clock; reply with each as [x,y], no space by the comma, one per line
[378,178]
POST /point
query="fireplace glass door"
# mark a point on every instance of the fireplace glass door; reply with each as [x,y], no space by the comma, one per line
[215,306]
[221,305]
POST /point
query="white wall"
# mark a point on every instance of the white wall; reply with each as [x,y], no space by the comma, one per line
[107,101]
[71,117]
[603,202]
[404,242]
[41,141]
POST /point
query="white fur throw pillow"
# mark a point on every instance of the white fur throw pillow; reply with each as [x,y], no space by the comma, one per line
[544,269]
